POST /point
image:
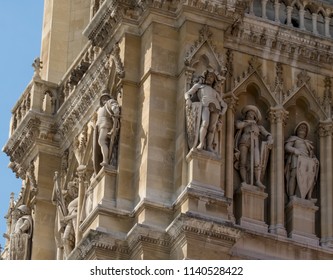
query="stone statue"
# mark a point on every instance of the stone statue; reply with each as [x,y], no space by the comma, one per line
[37,65]
[302,166]
[251,152]
[70,220]
[106,131]
[61,211]
[205,116]
[20,237]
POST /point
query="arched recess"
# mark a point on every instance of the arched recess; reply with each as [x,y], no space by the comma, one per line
[321,21]
[303,106]
[295,14]
[283,12]
[253,91]
[257,8]
[308,19]
[270,10]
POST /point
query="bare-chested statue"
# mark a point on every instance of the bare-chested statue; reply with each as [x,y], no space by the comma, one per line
[20,238]
[301,166]
[106,130]
[70,220]
[252,153]
[212,107]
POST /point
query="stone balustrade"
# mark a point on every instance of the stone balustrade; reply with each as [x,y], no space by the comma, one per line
[311,16]
[21,108]
[74,75]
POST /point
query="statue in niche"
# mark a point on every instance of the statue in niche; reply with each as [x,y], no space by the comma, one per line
[70,220]
[252,145]
[20,237]
[203,118]
[302,166]
[106,132]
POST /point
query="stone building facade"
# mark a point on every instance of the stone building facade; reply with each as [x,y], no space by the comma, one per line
[176,129]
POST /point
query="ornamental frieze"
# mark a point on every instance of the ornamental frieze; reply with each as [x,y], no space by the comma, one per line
[291,44]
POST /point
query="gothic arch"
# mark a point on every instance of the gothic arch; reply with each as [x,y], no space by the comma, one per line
[297,4]
[254,84]
[305,96]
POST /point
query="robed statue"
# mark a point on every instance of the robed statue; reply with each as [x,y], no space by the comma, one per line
[302,166]
[20,237]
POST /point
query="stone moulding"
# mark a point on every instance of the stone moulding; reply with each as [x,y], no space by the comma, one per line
[21,142]
[203,227]
[296,45]
[95,240]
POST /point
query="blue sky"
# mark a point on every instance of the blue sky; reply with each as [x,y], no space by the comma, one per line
[20,30]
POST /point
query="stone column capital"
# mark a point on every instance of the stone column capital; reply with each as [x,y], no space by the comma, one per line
[325,128]
[231,100]
[278,115]
[81,172]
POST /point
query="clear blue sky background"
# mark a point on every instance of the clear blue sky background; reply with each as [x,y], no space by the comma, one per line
[20,32]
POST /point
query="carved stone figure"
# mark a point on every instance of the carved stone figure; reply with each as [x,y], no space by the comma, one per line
[20,238]
[302,166]
[251,150]
[37,65]
[106,131]
[70,220]
[61,211]
[202,118]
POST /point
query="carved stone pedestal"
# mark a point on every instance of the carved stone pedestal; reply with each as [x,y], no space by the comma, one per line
[104,187]
[204,169]
[301,220]
[204,194]
[250,210]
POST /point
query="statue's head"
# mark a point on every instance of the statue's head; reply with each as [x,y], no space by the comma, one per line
[24,209]
[253,110]
[72,189]
[105,96]
[302,129]
[210,77]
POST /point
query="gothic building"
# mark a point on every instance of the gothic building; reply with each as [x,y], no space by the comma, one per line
[176,129]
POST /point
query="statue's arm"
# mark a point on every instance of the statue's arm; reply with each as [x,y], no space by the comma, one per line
[192,91]
[289,148]
[25,226]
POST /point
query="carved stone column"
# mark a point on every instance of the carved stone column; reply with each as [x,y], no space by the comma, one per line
[263,6]
[251,10]
[314,23]
[277,11]
[326,184]
[81,170]
[301,19]
[277,118]
[229,152]
[327,26]
[289,10]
